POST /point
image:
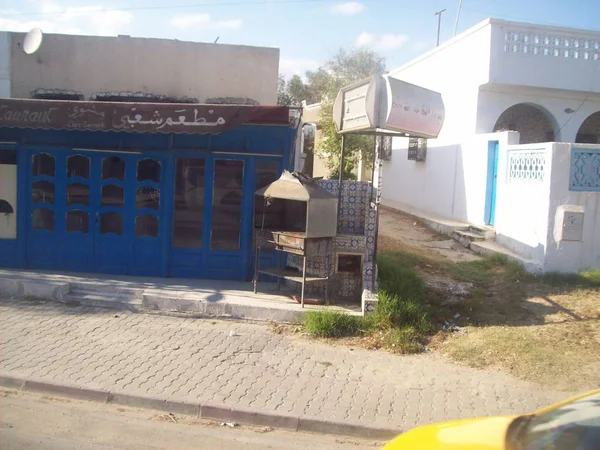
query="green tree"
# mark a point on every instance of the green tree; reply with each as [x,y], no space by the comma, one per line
[342,69]
[283,98]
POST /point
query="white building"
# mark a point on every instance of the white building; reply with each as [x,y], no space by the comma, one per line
[507,88]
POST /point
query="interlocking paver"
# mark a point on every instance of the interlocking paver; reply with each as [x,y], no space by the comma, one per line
[247,365]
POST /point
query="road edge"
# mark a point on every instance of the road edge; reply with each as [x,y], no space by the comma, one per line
[203,410]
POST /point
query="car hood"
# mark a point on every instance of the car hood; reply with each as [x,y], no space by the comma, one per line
[474,434]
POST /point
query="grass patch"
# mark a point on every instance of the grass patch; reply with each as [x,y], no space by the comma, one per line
[563,355]
[401,318]
[333,324]
[485,271]
[587,279]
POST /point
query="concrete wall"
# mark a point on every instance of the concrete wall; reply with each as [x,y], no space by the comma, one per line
[521,56]
[450,184]
[522,205]
[565,255]
[4,64]
[526,211]
[158,66]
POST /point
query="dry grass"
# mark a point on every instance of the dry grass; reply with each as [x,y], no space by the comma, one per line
[543,329]
[562,355]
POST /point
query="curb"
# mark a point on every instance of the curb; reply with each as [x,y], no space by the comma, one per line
[212,411]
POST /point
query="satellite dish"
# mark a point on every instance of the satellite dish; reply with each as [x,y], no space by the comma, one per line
[32,41]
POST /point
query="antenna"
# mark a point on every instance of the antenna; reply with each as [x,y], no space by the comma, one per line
[439,14]
[32,41]
[216,40]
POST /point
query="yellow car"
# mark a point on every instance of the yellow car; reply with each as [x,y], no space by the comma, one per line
[570,425]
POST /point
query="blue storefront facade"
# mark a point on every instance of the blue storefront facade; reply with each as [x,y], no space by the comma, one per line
[139,203]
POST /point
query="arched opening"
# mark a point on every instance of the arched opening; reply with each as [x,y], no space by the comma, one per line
[530,121]
[589,131]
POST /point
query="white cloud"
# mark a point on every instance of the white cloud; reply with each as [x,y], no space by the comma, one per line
[292,66]
[69,20]
[381,42]
[203,21]
[347,9]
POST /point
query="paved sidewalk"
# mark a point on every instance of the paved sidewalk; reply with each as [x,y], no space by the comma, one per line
[248,365]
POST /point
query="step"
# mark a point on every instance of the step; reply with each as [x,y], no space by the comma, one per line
[33,288]
[489,248]
[488,232]
[107,288]
[107,300]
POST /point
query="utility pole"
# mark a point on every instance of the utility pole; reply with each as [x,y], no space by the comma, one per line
[457,16]
[439,14]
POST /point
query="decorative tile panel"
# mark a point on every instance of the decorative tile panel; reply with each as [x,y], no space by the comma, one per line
[356,196]
[532,42]
[526,165]
[585,169]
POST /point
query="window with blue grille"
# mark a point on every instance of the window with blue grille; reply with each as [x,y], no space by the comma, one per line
[585,169]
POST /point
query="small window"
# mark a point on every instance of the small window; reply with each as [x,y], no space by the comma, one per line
[8,157]
[78,166]
[78,194]
[147,197]
[349,263]
[42,192]
[112,195]
[113,167]
[43,164]
[42,219]
[148,170]
[111,222]
[77,221]
[146,225]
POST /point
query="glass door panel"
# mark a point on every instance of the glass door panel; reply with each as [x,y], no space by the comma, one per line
[227,204]
[188,208]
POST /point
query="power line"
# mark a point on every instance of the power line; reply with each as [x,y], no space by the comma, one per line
[197,5]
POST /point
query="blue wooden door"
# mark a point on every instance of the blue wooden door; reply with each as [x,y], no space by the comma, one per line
[492,181]
[45,212]
[96,212]
[229,214]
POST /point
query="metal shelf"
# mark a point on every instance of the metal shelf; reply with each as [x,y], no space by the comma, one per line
[292,275]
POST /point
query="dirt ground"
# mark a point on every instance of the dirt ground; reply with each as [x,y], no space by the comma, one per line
[535,328]
[398,231]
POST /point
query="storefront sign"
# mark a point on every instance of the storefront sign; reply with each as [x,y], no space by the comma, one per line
[135,117]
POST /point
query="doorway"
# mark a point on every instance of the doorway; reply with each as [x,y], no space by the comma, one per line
[492,181]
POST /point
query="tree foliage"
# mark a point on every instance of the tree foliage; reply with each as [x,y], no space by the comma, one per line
[322,85]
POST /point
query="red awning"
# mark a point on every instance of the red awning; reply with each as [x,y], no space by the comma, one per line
[135,117]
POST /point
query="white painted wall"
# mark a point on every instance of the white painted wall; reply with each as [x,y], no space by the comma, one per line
[160,66]
[524,68]
[526,213]
[450,184]
[522,207]
[495,99]
[8,192]
[4,64]
[569,256]
[455,69]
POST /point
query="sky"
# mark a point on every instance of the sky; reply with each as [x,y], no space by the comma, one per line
[306,31]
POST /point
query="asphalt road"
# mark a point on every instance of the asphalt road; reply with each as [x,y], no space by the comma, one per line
[42,422]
